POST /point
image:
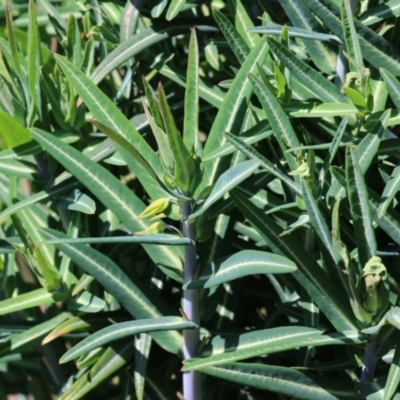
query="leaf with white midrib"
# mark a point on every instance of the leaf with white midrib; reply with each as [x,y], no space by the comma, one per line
[309,273]
[123,329]
[243,263]
[137,300]
[226,182]
[111,191]
[107,113]
[319,85]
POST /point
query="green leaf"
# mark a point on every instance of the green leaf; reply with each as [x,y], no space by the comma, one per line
[393,377]
[184,165]
[323,89]
[285,381]
[359,207]
[34,60]
[376,14]
[110,191]
[170,240]
[264,162]
[322,55]
[240,346]
[12,132]
[277,118]
[191,112]
[375,49]
[106,112]
[243,263]
[231,112]
[74,46]
[235,41]
[296,32]
[226,182]
[391,189]
[77,201]
[139,302]
[112,360]
[174,9]
[392,85]
[137,43]
[253,135]
[243,22]
[32,336]
[86,303]
[123,329]
[350,36]
[310,275]
[32,299]
[317,220]
[320,110]
[367,149]
[140,374]
[18,168]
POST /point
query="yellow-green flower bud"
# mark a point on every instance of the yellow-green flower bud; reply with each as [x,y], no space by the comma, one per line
[156,207]
[153,229]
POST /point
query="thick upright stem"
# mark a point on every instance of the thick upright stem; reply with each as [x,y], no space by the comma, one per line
[191,337]
[368,368]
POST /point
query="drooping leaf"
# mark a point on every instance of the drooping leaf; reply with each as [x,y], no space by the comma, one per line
[137,300]
[235,347]
[123,329]
[243,263]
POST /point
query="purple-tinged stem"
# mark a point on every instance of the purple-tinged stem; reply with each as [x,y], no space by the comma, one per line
[191,337]
[368,368]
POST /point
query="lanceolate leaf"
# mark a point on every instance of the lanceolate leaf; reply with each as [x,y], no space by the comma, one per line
[34,60]
[392,187]
[366,150]
[116,196]
[112,360]
[278,120]
[296,32]
[317,220]
[243,263]
[124,329]
[375,14]
[170,240]
[393,87]
[240,346]
[31,336]
[34,298]
[310,275]
[235,41]
[324,89]
[184,165]
[191,113]
[174,8]
[226,182]
[138,301]
[393,378]
[359,206]
[301,17]
[106,112]
[231,112]
[375,48]
[285,381]
[264,162]
[137,43]
[350,36]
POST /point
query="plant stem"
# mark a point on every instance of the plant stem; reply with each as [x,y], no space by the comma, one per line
[368,368]
[191,337]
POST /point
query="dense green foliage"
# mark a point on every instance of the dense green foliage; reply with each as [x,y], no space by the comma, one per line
[214,183]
